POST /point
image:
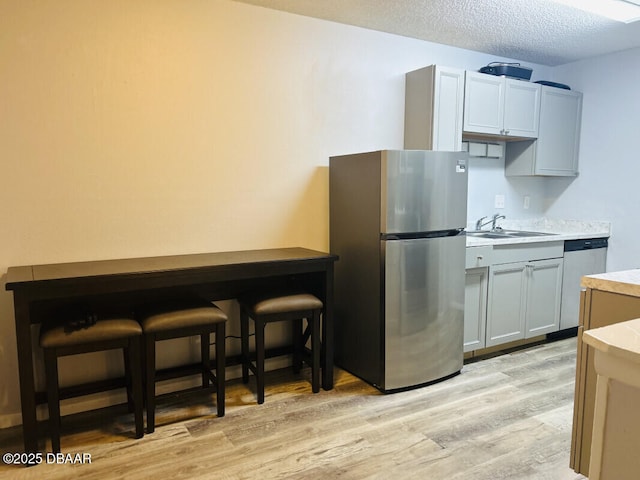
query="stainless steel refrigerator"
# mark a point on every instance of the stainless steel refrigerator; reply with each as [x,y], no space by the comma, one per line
[396,222]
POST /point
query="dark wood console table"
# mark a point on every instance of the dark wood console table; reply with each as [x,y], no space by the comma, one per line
[39,289]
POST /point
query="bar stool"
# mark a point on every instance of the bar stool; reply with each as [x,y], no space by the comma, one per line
[92,335]
[177,319]
[266,308]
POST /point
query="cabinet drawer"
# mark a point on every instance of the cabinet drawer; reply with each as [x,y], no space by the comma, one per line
[479,256]
[524,252]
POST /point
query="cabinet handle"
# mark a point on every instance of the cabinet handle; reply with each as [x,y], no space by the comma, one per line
[480,257]
[506,132]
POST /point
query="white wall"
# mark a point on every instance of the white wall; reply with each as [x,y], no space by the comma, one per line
[139,128]
[607,187]
[487,179]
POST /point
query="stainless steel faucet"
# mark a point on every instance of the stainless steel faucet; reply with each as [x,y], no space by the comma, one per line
[495,218]
[493,221]
[479,223]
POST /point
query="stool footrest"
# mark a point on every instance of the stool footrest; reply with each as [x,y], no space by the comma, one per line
[82,389]
[252,367]
[181,371]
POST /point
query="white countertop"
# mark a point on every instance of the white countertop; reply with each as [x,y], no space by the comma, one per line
[626,282]
[561,230]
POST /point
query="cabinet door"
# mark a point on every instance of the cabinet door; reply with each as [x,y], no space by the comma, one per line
[484,98]
[448,104]
[558,141]
[544,286]
[434,99]
[506,303]
[521,108]
[475,308]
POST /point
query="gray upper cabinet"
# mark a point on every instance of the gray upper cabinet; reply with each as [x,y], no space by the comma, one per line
[555,152]
[434,98]
[501,106]
[540,124]
[521,108]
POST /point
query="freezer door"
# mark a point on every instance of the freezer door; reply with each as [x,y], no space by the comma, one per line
[423,191]
[424,310]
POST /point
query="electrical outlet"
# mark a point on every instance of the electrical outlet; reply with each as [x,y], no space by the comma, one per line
[499,201]
[527,202]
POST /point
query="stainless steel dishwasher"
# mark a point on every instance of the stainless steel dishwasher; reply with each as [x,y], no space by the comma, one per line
[581,257]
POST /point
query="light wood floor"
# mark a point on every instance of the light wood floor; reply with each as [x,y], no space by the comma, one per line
[507,417]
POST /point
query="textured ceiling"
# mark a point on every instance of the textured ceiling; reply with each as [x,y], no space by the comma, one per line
[537,31]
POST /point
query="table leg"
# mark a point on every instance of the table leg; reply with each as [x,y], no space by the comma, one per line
[25,370]
[327,330]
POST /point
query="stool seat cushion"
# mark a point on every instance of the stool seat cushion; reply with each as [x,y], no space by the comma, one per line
[184,315]
[265,304]
[56,336]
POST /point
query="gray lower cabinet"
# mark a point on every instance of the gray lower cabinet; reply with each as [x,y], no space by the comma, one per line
[506,303]
[476,287]
[475,307]
[523,300]
[524,291]
[544,297]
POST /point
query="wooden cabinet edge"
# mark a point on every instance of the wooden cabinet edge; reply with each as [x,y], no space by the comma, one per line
[418,108]
[578,405]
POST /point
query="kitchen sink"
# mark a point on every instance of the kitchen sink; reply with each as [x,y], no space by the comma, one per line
[488,235]
[497,234]
[523,233]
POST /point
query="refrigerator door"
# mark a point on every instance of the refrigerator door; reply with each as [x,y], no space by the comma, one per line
[424,310]
[423,191]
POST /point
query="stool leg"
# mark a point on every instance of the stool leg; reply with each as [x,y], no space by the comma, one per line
[244,340]
[150,360]
[315,351]
[205,358]
[53,397]
[220,367]
[128,380]
[135,377]
[259,337]
[298,335]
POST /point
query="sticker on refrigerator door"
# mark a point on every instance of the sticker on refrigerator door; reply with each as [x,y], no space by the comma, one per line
[461,166]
